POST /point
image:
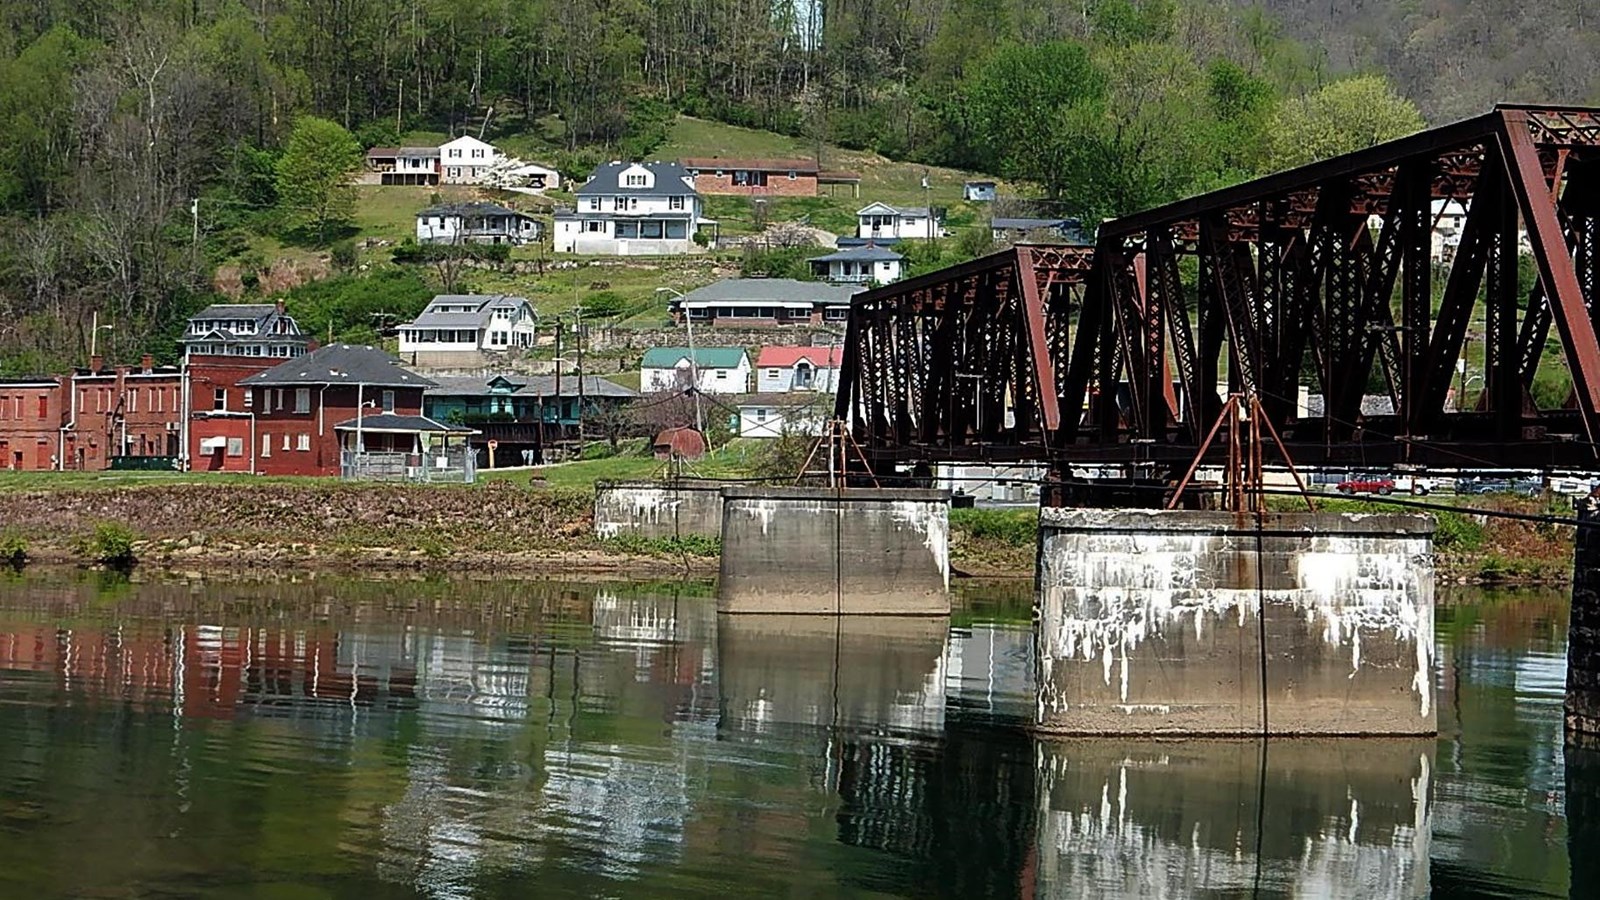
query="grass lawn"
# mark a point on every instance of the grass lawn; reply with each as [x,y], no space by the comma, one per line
[735,460]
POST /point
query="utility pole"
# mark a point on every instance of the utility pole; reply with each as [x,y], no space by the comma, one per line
[559,404]
[578,311]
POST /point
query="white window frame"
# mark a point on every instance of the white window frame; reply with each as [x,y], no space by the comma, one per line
[302,401]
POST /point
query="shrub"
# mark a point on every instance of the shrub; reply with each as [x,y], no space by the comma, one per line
[1455,531]
[13,549]
[110,544]
[1016,527]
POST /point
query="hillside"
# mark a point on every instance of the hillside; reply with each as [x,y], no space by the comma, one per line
[1456,58]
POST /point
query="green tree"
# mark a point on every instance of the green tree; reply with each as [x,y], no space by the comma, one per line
[1340,117]
[1027,108]
[314,174]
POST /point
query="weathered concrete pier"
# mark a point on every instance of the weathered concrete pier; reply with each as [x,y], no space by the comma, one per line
[658,509]
[1221,623]
[1583,629]
[828,551]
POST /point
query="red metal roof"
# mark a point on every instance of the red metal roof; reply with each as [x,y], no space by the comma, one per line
[785,357]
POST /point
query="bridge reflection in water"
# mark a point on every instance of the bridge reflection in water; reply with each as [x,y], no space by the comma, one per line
[461,739]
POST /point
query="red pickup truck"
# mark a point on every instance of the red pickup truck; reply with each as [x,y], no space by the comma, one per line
[1366,484]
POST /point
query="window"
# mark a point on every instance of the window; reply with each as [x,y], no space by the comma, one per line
[594,224]
[455,172]
[635,181]
[285,441]
[722,374]
[219,399]
[304,443]
[455,152]
[633,202]
[44,407]
[761,415]
[791,175]
[594,204]
[619,203]
[477,153]
[133,400]
[675,203]
[388,401]
[235,446]
[266,445]
[773,373]
[279,397]
[302,400]
[249,399]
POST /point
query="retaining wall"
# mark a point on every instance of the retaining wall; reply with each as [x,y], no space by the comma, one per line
[657,509]
[857,551]
[1180,622]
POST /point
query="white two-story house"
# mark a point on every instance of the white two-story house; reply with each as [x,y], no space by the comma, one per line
[628,209]
[458,329]
[884,223]
[466,160]
[869,264]
[782,370]
[244,329]
[715,370]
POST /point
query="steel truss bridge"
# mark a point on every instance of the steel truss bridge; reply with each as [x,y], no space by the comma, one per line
[1320,276]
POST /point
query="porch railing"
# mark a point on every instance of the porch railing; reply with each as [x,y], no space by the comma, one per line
[456,465]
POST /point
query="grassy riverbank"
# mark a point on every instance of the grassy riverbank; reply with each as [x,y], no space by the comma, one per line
[199,521]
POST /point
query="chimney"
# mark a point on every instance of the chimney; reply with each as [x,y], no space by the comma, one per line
[147,363]
[96,363]
[279,306]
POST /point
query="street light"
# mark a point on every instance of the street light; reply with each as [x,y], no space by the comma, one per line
[694,365]
[94,333]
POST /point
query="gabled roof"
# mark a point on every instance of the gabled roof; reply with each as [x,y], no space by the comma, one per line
[383,152]
[786,357]
[473,208]
[250,311]
[868,253]
[770,290]
[483,308]
[398,423]
[881,209]
[707,357]
[419,151]
[339,364]
[798,166]
[528,385]
[669,180]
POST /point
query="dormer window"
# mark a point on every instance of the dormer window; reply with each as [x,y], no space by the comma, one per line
[635,181]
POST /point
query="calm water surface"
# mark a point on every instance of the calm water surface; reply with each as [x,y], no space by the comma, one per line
[373,739]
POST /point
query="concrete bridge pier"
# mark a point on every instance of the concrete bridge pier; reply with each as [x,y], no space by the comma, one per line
[1583,629]
[1220,623]
[835,551]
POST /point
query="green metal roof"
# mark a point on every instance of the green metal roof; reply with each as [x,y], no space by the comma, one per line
[708,357]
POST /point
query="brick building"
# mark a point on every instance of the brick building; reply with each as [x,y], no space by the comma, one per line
[117,411]
[754,177]
[304,412]
[31,416]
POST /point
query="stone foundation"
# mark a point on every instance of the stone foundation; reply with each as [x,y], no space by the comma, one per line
[657,509]
[858,551]
[1195,623]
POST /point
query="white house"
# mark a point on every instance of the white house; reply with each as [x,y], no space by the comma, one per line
[882,222]
[774,415]
[798,369]
[859,265]
[475,223]
[466,160]
[457,329]
[628,209]
[743,302]
[402,165]
[721,370]
[244,329]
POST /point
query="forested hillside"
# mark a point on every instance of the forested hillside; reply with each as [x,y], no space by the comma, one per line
[1456,58]
[115,115]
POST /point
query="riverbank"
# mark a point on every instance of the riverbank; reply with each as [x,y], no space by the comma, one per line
[505,527]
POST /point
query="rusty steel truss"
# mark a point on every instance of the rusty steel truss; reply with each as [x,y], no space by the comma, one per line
[1323,278]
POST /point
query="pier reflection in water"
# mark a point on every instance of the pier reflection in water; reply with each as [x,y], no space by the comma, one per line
[471,739]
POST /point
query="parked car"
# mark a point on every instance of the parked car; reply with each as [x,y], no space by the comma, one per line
[1526,487]
[1366,484]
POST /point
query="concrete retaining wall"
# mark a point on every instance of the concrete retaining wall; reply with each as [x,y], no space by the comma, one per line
[859,551]
[657,509]
[1167,623]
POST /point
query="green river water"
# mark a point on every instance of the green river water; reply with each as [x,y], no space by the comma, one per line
[336,737]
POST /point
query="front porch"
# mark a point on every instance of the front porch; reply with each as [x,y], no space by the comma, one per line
[405,448]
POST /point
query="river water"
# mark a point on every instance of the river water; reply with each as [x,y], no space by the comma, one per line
[332,737]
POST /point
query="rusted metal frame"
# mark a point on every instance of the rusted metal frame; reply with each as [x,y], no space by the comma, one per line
[1331,220]
[1371,326]
[1300,296]
[969,356]
[1004,332]
[1455,313]
[1128,289]
[1211,322]
[908,341]
[1556,270]
[860,370]
[1164,273]
[850,387]
[1156,387]
[1502,381]
[1034,355]
[1087,346]
[1416,293]
[1105,413]
[1232,271]
[1267,286]
[1340,339]
[937,394]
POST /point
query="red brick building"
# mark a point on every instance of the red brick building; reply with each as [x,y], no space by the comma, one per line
[31,416]
[222,414]
[754,177]
[306,411]
[122,411]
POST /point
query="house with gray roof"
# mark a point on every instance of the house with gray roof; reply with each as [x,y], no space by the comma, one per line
[524,414]
[766,301]
[458,330]
[883,223]
[869,264]
[1011,229]
[244,329]
[476,222]
[633,209]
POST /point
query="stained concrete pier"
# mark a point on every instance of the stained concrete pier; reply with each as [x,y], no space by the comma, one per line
[1201,623]
[1583,629]
[658,509]
[854,551]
